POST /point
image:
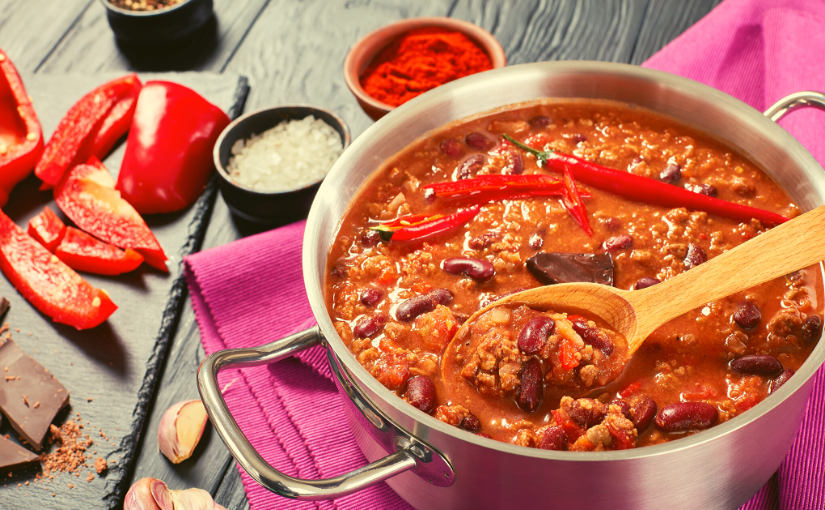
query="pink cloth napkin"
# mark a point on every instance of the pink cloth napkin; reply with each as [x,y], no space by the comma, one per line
[251,292]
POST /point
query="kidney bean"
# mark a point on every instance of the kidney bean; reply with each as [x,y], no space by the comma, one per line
[747,315]
[579,138]
[478,269]
[624,406]
[339,271]
[369,326]
[482,241]
[536,241]
[621,242]
[371,297]
[645,282]
[695,256]
[644,410]
[370,238]
[478,141]
[594,337]
[587,412]
[757,364]
[684,416]
[452,148]
[811,328]
[540,121]
[413,307]
[470,423]
[441,297]
[532,385]
[470,166]
[534,335]
[779,381]
[703,189]
[421,393]
[612,224]
[516,166]
[671,173]
[551,438]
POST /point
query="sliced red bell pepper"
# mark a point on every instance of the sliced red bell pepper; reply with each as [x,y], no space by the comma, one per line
[47,283]
[82,252]
[47,229]
[21,137]
[168,158]
[647,190]
[435,227]
[572,201]
[93,124]
[87,196]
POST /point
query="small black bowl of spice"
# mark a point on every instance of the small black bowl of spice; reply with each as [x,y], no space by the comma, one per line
[156,22]
[271,162]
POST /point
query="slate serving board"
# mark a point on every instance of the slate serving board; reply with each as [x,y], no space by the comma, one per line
[116,364]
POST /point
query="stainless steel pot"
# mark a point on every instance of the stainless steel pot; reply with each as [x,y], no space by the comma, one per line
[436,466]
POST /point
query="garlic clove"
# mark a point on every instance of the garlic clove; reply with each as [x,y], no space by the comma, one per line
[153,494]
[193,499]
[141,495]
[181,429]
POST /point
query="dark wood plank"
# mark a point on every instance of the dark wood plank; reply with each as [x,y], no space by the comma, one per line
[230,494]
[90,44]
[664,21]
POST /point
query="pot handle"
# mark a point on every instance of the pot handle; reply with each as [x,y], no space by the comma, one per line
[788,103]
[263,473]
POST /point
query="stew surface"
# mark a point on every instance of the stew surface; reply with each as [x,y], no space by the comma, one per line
[396,304]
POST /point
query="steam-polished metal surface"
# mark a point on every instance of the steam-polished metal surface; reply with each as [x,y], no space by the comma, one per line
[717,468]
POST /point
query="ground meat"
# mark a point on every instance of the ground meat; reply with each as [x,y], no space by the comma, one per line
[436,328]
[784,321]
[451,415]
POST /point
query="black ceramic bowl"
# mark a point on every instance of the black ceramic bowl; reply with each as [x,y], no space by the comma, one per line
[164,26]
[278,206]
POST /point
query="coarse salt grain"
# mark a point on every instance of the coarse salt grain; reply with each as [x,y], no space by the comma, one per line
[293,154]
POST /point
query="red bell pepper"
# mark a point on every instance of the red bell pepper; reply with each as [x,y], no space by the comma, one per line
[47,283]
[21,138]
[47,229]
[646,190]
[87,196]
[82,252]
[90,128]
[168,157]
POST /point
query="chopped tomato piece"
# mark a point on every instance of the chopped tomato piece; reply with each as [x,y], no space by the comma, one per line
[47,229]
[422,287]
[538,141]
[567,355]
[436,328]
[630,389]
[49,284]
[82,252]
[392,369]
[88,197]
[623,439]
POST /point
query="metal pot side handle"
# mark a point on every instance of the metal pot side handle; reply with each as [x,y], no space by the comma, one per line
[263,473]
[792,101]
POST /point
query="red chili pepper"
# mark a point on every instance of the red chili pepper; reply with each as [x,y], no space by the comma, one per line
[438,226]
[573,203]
[630,390]
[646,190]
[82,252]
[511,181]
[87,196]
[21,137]
[47,283]
[410,219]
[168,158]
[93,124]
[47,229]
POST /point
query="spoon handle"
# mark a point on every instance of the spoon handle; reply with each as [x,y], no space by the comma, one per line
[794,245]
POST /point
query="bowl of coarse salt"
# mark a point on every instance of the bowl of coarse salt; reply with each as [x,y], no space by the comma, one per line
[271,161]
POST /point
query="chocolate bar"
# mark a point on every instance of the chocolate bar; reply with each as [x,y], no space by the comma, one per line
[14,456]
[30,396]
[552,268]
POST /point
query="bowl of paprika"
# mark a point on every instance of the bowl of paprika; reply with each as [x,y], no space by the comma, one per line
[402,60]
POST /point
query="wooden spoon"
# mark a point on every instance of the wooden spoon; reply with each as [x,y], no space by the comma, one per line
[794,245]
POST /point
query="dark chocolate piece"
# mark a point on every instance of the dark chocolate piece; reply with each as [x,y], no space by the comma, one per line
[4,306]
[13,456]
[552,268]
[28,383]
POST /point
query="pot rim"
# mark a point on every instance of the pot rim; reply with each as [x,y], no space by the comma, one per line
[330,188]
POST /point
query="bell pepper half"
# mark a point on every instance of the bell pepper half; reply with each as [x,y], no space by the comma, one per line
[47,229]
[21,137]
[87,195]
[47,283]
[168,157]
[90,128]
[82,252]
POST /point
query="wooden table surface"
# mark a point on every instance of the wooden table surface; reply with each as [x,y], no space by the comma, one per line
[293,51]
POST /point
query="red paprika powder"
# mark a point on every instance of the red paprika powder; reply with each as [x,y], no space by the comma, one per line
[421,60]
